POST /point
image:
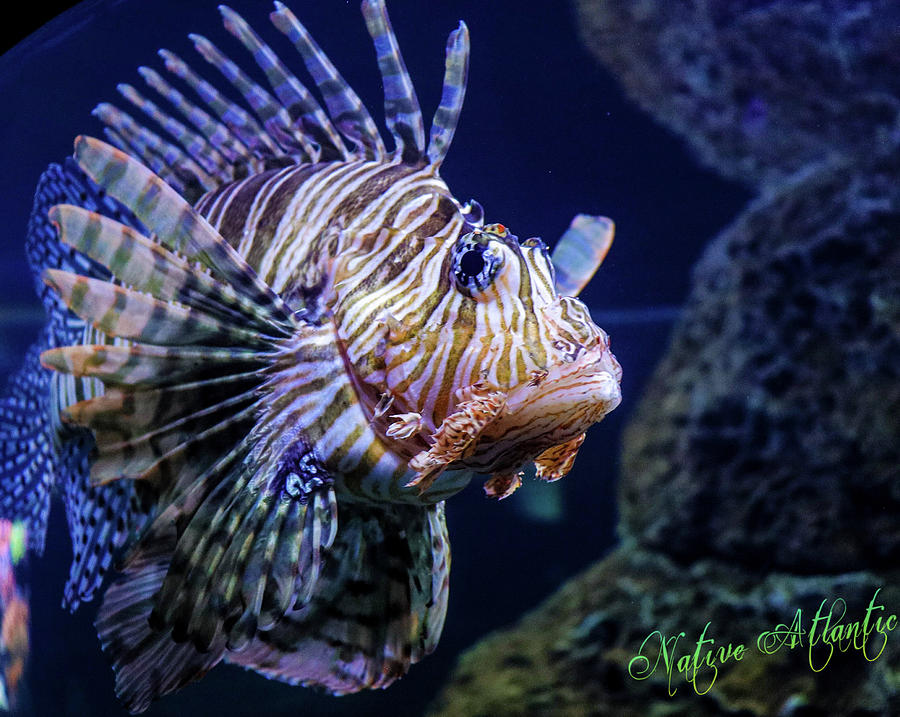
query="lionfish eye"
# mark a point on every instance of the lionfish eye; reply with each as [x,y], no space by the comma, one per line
[474,264]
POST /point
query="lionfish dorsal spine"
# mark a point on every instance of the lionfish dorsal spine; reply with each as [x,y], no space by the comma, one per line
[446,117]
[197,147]
[286,125]
[158,154]
[344,105]
[275,118]
[214,142]
[401,106]
[299,104]
[239,123]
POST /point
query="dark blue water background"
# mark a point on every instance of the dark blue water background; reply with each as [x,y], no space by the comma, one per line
[545,134]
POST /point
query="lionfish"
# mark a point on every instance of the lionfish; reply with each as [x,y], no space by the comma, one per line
[274,349]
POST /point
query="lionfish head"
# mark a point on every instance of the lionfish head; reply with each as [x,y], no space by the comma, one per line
[506,370]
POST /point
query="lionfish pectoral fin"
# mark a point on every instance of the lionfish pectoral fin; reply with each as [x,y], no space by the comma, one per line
[227,558]
[189,332]
[147,663]
[39,452]
[201,327]
[580,252]
[378,606]
[557,461]
[457,434]
[246,554]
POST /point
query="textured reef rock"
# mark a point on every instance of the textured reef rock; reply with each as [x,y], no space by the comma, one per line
[761,469]
[770,434]
[571,656]
[759,88]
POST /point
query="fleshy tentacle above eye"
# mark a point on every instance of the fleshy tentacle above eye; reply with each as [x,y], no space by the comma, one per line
[580,252]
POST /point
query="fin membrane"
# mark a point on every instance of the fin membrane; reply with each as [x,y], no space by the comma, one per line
[222,562]
[147,663]
[197,339]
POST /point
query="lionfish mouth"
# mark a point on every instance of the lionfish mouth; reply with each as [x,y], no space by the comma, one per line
[542,420]
[564,401]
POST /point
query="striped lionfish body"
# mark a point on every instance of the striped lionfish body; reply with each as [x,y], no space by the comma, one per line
[277,348]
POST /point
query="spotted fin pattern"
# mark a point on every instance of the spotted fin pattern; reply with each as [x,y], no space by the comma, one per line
[36,459]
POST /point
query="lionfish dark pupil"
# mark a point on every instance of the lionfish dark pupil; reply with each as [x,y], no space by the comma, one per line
[472,262]
[270,359]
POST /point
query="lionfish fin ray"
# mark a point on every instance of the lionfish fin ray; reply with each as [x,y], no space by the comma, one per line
[147,365]
[129,314]
[147,662]
[296,101]
[198,158]
[133,413]
[274,117]
[347,111]
[137,457]
[251,544]
[145,265]
[168,161]
[175,222]
[446,117]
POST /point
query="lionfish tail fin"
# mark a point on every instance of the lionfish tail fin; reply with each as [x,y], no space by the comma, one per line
[580,252]
[378,606]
